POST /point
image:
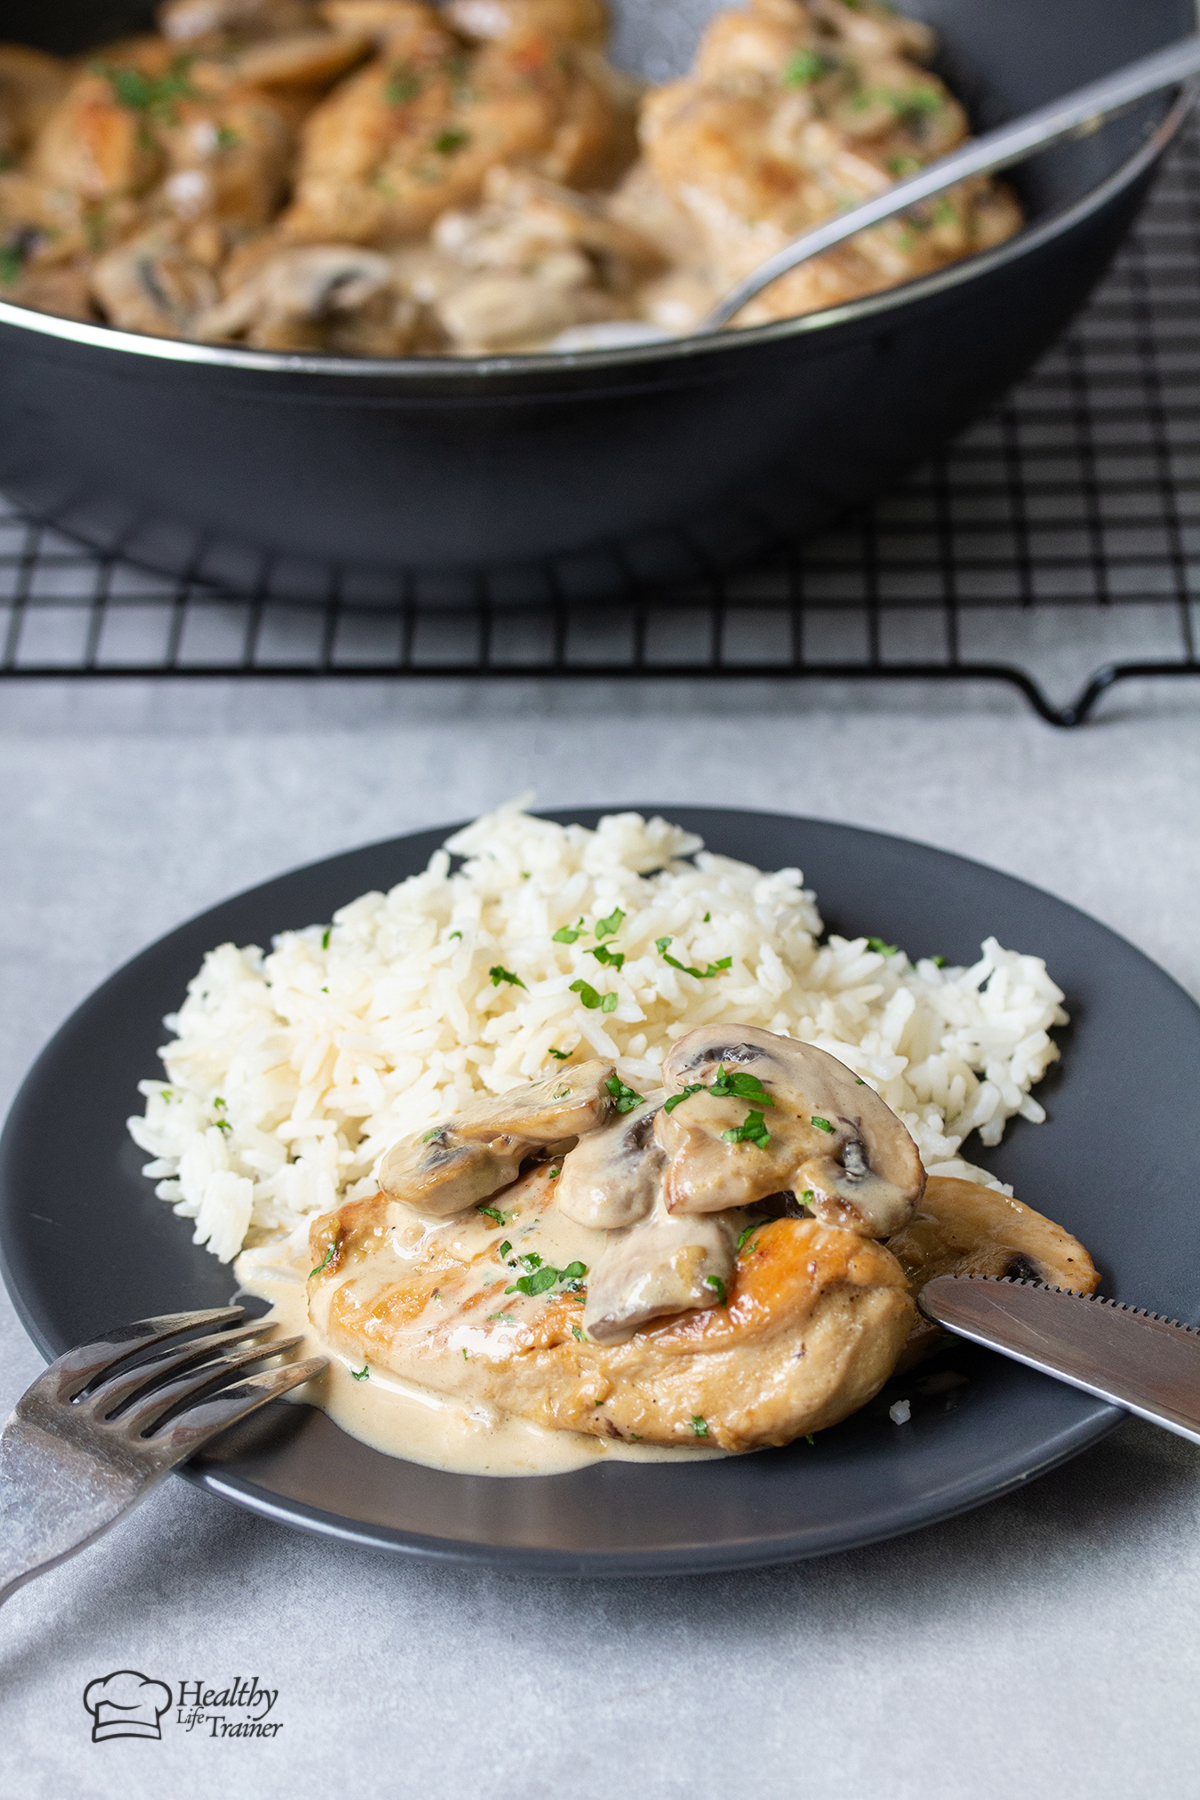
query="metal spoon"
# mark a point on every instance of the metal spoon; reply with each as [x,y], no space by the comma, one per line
[1077,113]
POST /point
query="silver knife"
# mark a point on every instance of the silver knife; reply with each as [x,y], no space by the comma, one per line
[1148,1365]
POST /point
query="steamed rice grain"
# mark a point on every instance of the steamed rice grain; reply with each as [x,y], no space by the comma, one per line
[290,1072]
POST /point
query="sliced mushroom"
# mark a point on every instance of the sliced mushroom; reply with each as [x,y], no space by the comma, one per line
[151,284]
[441,1172]
[664,1264]
[613,1176]
[480,1150]
[825,1135]
[960,1228]
[566,1105]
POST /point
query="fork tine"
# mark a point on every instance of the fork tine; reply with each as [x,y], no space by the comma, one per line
[209,1417]
[79,1368]
[147,1412]
[119,1389]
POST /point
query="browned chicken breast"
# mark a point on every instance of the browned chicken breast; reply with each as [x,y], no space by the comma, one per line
[810,1327]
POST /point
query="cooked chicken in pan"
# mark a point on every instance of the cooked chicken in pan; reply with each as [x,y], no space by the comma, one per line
[388,177]
[734,1261]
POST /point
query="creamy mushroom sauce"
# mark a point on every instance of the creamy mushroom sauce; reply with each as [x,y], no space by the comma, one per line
[403,1418]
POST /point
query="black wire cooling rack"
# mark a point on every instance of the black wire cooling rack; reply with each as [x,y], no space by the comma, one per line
[1055,546]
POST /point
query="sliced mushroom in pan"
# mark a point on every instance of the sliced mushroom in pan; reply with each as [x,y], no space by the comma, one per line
[750,1114]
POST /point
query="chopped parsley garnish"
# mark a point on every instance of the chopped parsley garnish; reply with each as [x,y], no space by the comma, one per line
[568,934]
[699,1425]
[661,944]
[166,1094]
[447,142]
[576,1333]
[754,1131]
[591,999]
[505,1247]
[456,934]
[707,917]
[466,1358]
[361,1374]
[695,1087]
[808,1196]
[809,1438]
[12,261]
[227,139]
[404,84]
[822,1124]
[750,1230]
[498,974]
[560,1055]
[490,1212]
[880,948]
[740,1086]
[222,1125]
[430,1135]
[328,1256]
[624,1096]
[542,1277]
[900,166]
[612,959]
[939,962]
[718,1287]
[554,1174]
[151,94]
[729,1085]
[325,935]
[806,66]
[503,1317]
[609,927]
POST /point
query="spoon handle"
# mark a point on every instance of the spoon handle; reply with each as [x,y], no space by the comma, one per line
[998,149]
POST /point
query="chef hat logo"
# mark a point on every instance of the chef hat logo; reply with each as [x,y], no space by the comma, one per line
[126,1704]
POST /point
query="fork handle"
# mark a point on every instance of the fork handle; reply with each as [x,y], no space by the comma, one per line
[43,1522]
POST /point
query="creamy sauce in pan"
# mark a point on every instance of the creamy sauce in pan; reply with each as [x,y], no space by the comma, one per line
[402,1418]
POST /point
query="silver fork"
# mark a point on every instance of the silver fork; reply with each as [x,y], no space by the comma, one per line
[90,1438]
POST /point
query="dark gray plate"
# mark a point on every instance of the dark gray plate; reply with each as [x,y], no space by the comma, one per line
[86,1245]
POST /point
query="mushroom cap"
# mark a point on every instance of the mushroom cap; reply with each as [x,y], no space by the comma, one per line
[825,1134]
[960,1228]
[664,1264]
[565,1105]
[613,1176]
[440,1172]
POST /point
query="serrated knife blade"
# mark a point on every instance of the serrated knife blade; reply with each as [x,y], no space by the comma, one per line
[1148,1365]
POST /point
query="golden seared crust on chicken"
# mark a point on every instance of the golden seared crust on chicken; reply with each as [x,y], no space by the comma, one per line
[810,1328]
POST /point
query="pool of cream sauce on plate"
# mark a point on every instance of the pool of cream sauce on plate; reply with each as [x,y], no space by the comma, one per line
[401,1418]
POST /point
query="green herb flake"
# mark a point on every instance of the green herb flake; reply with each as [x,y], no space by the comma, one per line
[542,1277]
[568,934]
[612,959]
[505,1247]
[328,1256]
[809,1438]
[490,1212]
[154,95]
[553,1174]
[609,927]
[718,1287]
[939,962]
[466,1358]
[808,1196]
[11,263]
[446,143]
[430,1135]
[695,1087]
[662,944]
[325,936]
[502,1317]
[227,139]
[607,1003]
[699,1425]
[822,1124]
[498,974]
[361,1374]
[624,1096]
[753,1131]
[559,1055]
[740,1086]
[576,1333]
[805,67]
[750,1230]
[404,84]
[902,166]
[456,934]
[880,948]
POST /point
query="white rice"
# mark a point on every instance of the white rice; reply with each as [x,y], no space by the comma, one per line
[290,1072]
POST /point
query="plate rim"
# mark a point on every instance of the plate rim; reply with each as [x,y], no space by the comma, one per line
[987,1483]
